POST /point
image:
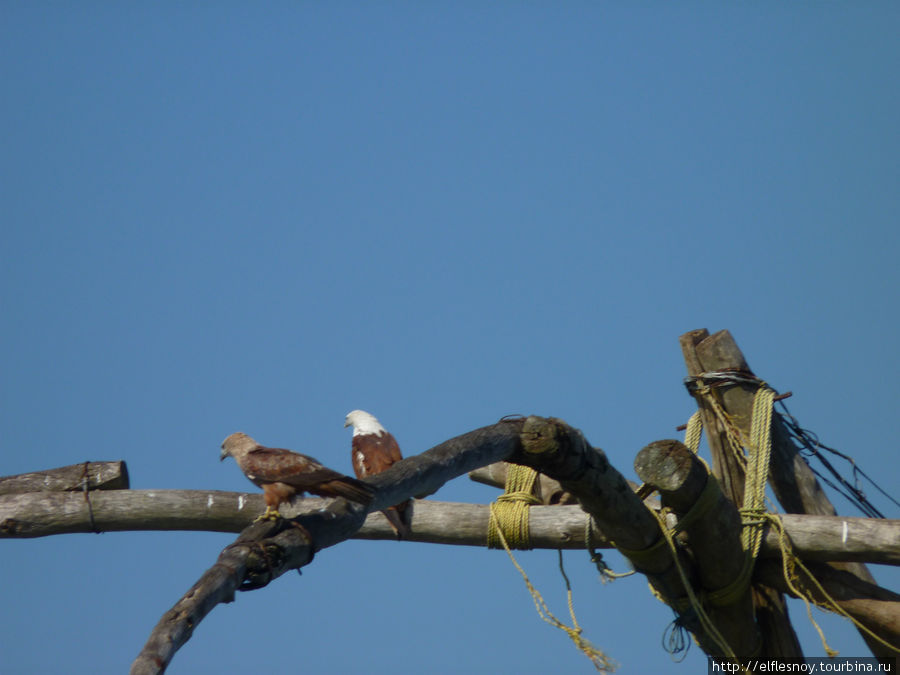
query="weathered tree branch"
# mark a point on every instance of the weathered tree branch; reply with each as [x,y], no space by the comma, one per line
[265,551]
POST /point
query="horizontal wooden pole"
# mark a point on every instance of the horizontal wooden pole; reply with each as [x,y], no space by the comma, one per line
[816,538]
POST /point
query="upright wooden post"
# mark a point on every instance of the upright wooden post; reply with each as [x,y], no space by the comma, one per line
[779,638]
[793,482]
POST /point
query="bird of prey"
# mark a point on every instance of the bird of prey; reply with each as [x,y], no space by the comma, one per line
[282,474]
[374,449]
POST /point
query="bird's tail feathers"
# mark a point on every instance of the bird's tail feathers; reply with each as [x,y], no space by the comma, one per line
[352,489]
[399,517]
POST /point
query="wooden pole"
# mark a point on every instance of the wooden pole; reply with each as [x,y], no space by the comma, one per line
[792,480]
[779,638]
[713,536]
[44,514]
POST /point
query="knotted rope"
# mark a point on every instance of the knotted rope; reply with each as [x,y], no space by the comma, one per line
[508,527]
[754,516]
[509,514]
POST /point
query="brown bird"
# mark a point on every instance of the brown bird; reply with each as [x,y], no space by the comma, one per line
[282,474]
[374,449]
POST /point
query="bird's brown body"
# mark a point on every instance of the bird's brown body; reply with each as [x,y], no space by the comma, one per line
[283,474]
[373,450]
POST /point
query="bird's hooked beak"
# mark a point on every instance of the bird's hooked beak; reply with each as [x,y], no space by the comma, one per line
[223,454]
[347,423]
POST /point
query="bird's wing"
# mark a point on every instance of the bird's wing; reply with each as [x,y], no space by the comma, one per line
[392,446]
[269,465]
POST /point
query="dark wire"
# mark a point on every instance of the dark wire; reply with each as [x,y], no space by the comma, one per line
[810,446]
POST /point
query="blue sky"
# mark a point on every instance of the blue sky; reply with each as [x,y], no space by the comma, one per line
[239,217]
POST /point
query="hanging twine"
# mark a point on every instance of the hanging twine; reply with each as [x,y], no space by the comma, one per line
[600,660]
[508,529]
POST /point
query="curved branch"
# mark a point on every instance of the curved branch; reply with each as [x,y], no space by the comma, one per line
[265,551]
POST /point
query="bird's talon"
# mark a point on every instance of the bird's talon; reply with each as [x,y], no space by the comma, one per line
[270,514]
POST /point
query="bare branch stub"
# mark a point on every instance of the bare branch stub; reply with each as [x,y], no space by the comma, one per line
[81,476]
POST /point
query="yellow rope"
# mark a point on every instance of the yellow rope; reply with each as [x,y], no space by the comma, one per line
[790,562]
[693,432]
[511,515]
[732,435]
[754,515]
[756,472]
[695,603]
[600,660]
[606,574]
[508,528]
[755,466]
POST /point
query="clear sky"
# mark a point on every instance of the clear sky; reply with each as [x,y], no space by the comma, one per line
[240,216]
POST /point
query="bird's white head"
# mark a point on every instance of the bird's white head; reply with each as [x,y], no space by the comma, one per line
[363,423]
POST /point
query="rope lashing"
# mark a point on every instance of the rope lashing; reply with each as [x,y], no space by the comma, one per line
[693,432]
[754,516]
[756,464]
[757,471]
[701,390]
[508,529]
[599,660]
[510,512]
